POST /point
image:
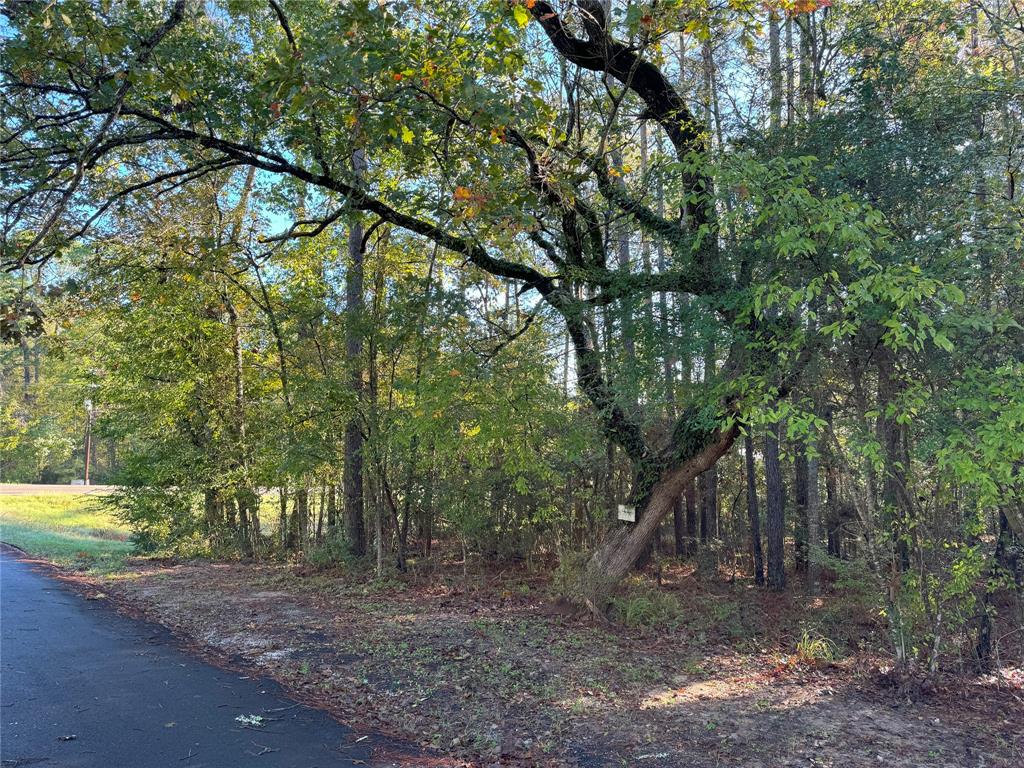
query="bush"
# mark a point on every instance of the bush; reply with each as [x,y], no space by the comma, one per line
[329,553]
[160,518]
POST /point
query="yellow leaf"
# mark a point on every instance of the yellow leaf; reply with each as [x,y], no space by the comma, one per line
[407,135]
[522,15]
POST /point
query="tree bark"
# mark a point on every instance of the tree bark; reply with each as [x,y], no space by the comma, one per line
[790,75]
[709,506]
[775,517]
[833,506]
[894,482]
[691,517]
[355,529]
[753,514]
[709,495]
[774,71]
[332,508]
[799,507]
[282,518]
[813,519]
[807,90]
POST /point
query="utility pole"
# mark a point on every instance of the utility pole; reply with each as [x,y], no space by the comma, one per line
[88,437]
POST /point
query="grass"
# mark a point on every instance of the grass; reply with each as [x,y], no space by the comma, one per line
[68,529]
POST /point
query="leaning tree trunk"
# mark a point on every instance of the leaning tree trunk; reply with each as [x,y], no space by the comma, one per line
[624,546]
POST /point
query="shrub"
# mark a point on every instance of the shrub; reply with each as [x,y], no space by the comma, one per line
[329,553]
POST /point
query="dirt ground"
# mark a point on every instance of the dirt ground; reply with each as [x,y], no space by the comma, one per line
[492,672]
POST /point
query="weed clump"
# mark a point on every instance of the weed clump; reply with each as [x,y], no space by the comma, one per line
[647,606]
[813,648]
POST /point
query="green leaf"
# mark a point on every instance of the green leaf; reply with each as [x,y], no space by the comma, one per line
[942,341]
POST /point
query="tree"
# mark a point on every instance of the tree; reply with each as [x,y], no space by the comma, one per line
[354,524]
[464,151]
[753,515]
[775,510]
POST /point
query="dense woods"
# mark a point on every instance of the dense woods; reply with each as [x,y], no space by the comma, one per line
[407,283]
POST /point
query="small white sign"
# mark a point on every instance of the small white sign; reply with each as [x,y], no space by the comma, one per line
[627,513]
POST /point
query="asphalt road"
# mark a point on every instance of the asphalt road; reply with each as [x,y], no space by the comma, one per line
[82,685]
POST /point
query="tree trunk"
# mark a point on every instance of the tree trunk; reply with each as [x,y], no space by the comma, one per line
[813,519]
[231,514]
[621,549]
[427,513]
[834,512]
[807,90]
[679,528]
[332,509]
[320,513]
[88,440]
[894,483]
[790,76]
[775,517]
[378,532]
[282,517]
[753,514]
[624,260]
[774,71]
[709,506]
[245,535]
[211,513]
[709,481]
[26,367]
[799,507]
[691,517]
[354,524]
[299,522]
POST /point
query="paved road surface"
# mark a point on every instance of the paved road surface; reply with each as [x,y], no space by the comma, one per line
[81,685]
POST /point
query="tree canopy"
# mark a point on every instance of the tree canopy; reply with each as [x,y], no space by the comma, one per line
[520,264]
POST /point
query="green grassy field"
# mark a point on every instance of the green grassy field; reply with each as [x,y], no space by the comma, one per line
[69,529]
